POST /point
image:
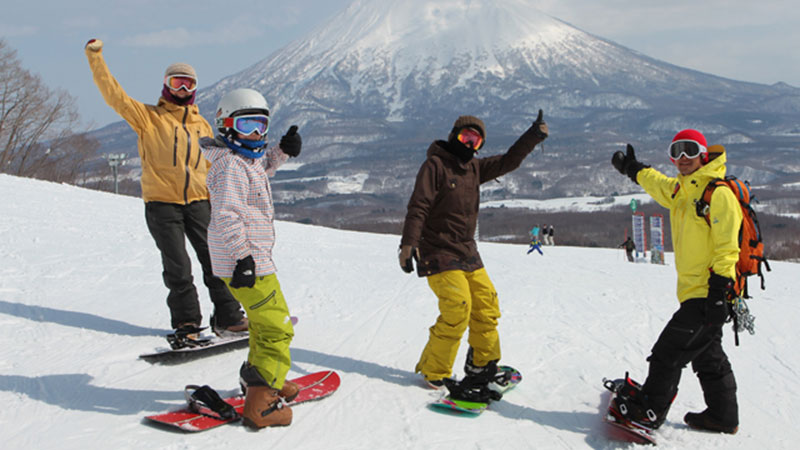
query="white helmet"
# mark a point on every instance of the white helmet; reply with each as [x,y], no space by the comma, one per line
[239,102]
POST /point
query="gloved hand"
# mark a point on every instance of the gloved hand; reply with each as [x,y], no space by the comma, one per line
[94,45]
[627,164]
[540,127]
[244,275]
[717,307]
[406,254]
[291,142]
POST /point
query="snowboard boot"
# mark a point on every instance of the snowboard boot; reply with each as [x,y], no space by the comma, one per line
[263,407]
[704,422]
[249,376]
[237,329]
[475,385]
[632,404]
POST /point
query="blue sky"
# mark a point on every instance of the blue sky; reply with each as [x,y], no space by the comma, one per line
[742,40]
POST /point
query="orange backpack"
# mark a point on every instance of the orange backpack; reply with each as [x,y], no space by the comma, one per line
[751,245]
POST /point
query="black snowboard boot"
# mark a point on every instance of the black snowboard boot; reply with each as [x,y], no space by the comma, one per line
[475,385]
[703,421]
[632,404]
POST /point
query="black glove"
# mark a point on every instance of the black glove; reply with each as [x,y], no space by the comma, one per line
[244,275]
[540,127]
[406,254]
[627,164]
[717,307]
[291,142]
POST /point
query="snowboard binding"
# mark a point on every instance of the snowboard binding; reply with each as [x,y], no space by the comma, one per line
[206,401]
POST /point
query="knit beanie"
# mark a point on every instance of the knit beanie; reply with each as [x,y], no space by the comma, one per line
[180,69]
[467,121]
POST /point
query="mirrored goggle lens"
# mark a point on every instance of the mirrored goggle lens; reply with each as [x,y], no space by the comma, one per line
[184,82]
[690,149]
[470,136]
[249,124]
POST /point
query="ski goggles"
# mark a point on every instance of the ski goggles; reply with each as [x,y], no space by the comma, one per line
[248,124]
[470,136]
[687,148]
[177,82]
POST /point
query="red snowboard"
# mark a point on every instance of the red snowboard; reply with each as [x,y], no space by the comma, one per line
[312,387]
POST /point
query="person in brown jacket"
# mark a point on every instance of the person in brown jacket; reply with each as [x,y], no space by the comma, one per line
[174,188]
[439,232]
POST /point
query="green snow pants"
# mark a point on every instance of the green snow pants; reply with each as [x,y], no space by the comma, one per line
[270,328]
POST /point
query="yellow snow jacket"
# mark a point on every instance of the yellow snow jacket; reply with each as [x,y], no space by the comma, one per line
[698,247]
[173,168]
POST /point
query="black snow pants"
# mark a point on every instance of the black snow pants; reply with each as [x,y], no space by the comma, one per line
[169,223]
[688,338]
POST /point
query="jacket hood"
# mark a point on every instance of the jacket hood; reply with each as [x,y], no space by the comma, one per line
[715,168]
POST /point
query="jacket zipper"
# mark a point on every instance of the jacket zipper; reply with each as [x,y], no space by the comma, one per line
[199,153]
[188,156]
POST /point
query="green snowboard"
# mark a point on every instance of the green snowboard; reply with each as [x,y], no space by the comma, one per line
[508,377]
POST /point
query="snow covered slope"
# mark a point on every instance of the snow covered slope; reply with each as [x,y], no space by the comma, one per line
[81,297]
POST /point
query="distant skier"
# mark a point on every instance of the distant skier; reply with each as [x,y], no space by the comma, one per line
[550,238]
[439,232]
[174,190]
[705,259]
[629,248]
[241,236]
[534,232]
[536,244]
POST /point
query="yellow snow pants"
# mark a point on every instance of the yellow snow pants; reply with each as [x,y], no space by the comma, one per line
[466,300]
[270,328]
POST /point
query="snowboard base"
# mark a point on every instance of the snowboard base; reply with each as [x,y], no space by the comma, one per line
[312,387]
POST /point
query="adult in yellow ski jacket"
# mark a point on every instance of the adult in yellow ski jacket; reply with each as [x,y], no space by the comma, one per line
[697,246]
[173,168]
[174,188]
[705,257]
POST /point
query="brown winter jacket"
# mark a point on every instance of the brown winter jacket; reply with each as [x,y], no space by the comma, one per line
[173,169]
[443,209]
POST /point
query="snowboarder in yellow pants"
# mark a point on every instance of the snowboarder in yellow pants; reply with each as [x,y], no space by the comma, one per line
[466,300]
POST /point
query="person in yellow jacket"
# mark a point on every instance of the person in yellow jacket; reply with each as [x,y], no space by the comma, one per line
[705,259]
[174,188]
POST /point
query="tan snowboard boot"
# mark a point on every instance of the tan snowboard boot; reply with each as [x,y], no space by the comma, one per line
[264,408]
[289,391]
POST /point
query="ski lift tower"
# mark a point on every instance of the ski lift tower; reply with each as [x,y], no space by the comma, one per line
[114,161]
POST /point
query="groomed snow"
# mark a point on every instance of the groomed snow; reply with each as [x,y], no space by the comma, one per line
[81,297]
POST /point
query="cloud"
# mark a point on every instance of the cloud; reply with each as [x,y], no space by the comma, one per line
[9,30]
[173,38]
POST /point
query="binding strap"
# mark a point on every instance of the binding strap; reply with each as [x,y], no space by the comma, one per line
[205,400]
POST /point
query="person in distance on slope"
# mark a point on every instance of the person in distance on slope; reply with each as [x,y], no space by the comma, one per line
[173,188]
[439,231]
[705,259]
[535,245]
[241,237]
[550,239]
[629,248]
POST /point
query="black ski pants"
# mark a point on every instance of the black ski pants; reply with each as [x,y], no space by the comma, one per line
[170,224]
[688,338]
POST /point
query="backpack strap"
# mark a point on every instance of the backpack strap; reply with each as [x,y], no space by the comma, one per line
[702,204]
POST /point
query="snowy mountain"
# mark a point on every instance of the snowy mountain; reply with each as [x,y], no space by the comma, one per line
[81,297]
[377,83]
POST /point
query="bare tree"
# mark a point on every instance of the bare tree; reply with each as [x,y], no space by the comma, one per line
[37,126]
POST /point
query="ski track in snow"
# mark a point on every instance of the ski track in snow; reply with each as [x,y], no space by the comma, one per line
[81,297]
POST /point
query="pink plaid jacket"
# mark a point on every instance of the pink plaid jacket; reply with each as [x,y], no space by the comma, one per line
[242,212]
